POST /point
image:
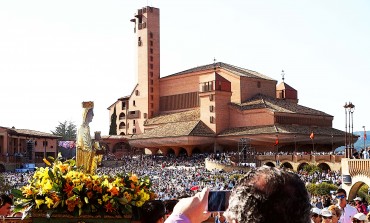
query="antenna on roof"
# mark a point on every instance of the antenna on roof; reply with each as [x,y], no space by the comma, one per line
[214,63]
[282,75]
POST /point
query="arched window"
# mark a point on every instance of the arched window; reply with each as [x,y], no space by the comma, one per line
[122,125]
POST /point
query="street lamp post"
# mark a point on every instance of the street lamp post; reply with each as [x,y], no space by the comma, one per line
[348,138]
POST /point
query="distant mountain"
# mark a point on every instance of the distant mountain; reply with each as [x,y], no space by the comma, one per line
[360,141]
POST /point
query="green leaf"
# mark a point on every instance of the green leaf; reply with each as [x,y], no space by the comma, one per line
[17,193]
[51,175]
[122,200]
[75,191]
[86,200]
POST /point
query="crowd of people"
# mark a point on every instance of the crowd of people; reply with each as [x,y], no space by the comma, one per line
[184,177]
[190,173]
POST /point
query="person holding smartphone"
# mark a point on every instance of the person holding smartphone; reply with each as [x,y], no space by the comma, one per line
[263,195]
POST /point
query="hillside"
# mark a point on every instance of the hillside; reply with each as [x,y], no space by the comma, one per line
[360,142]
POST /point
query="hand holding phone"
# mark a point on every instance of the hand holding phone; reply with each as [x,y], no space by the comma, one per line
[218,200]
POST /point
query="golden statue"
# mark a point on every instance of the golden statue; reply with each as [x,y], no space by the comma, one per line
[86,157]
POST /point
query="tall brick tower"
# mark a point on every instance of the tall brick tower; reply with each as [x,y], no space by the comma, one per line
[144,101]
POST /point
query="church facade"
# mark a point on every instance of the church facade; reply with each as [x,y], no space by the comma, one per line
[213,107]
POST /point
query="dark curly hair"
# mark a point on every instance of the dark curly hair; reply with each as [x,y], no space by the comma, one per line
[268,194]
[151,211]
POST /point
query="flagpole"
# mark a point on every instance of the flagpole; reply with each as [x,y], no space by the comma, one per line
[313,145]
[365,149]
[312,136]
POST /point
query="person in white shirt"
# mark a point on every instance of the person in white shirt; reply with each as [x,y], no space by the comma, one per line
[347,210]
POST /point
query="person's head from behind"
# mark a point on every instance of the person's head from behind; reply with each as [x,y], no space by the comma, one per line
[6,203]
[268,194]
[170,204]
[153,212]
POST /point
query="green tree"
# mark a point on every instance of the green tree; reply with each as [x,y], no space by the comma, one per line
[67,130]
[321,189]
[113,123]
[312,168]
[363,192]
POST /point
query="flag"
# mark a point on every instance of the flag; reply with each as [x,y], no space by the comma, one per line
[276,141]
[365,137]
[312,136]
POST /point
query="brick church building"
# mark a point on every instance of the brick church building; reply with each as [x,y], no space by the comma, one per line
[213,107]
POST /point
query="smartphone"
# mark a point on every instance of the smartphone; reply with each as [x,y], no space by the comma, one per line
[218,201]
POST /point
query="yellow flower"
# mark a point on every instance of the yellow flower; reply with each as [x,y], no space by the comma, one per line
[105,197]
[49,202]
[38,203]
[47,186]
[139,203]
[46,161]
[105,183]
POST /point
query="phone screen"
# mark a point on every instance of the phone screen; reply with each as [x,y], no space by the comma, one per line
[218,200]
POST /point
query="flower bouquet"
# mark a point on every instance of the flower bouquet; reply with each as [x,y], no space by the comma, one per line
[61,187]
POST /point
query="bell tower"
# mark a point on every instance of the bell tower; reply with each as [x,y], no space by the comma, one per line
[144,101]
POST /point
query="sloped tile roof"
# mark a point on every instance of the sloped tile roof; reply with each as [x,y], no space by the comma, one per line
[277,105]
[175,129]
[287,129]
[31,133]
[190,115]
[231,68]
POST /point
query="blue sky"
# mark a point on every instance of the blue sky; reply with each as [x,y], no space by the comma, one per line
[56,54]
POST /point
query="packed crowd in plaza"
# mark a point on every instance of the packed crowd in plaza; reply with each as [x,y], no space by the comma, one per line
[179,177]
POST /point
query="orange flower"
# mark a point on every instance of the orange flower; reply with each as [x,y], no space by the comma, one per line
[89,194]
[27,192]
[133,178]
[153,196]
[68,188]
[63,167]
[55,197]
[109,207]
[137,189]
[71,204]
[127,196]
[113,191]
[98,189]
[89,184]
